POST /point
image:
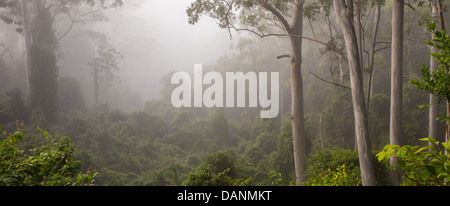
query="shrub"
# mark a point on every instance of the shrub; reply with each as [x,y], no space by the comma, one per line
[49,165]
[424,166]
[220,169]
[340,168]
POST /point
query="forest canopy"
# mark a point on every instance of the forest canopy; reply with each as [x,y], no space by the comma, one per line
[86,93]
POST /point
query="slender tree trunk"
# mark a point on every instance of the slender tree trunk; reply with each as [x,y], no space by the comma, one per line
[321,133]
[396,83]
[372,56]
[96,86]
[433,67]
[359,32]
[359,108]
[360,51]
[341,70]
[442,23]
[441,14]
[297,94]
[27,45]
[295,30]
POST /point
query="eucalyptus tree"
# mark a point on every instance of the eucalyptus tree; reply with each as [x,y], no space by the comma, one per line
[105,65]
[320,16]
[373,47]
[267,18]
[35,20]
[345,20]
[367,15]
[432,122]
[398,8]
[439,50]
[442,24]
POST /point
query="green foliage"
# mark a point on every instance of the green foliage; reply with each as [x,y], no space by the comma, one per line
[161,145]
[15,105]
[340,168]
[69,94]
[325,167]
[228,13]
[342,176]
[424,166]
[276,179]
[220,169]
[338,121]
[204,176]
[437,83]
[379,120]
[220,129]
[49,165]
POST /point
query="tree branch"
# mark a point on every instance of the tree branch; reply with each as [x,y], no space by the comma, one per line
[284,56]
[339,85]
[77,16]
[386,47]
[268,7]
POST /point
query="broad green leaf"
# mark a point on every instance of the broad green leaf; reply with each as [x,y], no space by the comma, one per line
[447,179]
[432,26]
[381,155]
[428,139]
[401,152]
[423,148]
[18,136]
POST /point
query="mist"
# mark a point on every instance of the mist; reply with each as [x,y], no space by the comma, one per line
[247,96]
[154,38]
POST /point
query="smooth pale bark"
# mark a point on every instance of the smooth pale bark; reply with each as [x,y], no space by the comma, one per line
[294,29]
[396,84]
[27,45]
[372,56]
[298,131]
[360,113]
[359,32]
[432,122]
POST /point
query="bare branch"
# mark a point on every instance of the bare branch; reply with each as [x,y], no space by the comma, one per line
[386,47]
[339,85]
[284,56]
[268,7]
[78,15]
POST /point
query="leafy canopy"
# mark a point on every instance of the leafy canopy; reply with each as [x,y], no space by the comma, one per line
[247,15]
[50,165]
[438,82]
[427,166]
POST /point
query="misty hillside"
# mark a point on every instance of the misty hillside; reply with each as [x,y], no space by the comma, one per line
[314,93]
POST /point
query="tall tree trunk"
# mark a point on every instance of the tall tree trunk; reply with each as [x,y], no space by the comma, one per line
[298,132]
[321,133]
[27,45]
[433,67]
[359,32]
[96,86]
[441,14]
[442,23]
[359,108]
[396,83]
[43,94]
[372,56]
